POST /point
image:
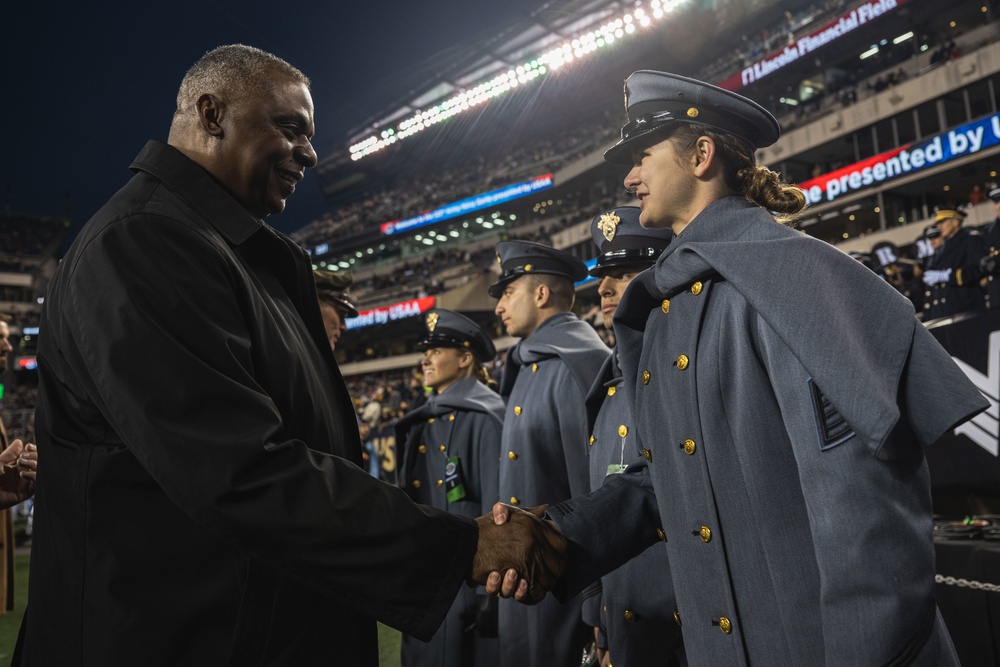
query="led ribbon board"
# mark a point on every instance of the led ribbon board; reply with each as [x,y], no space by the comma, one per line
[397,311]
[464,206]
[808,43]
[964,140]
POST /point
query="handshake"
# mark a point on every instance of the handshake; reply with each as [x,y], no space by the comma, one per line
[520,554]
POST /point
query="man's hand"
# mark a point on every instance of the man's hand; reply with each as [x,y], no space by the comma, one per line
[527,549]
[18,465]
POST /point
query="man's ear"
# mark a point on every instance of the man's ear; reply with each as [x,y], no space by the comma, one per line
[543,295]
[704,156]
[211,111]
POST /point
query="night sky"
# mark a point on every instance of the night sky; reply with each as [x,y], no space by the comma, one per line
[84,87]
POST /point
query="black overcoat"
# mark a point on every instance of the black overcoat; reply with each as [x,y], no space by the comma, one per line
[199,499]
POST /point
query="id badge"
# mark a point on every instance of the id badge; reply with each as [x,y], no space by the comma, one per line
[617,468]
[454,487]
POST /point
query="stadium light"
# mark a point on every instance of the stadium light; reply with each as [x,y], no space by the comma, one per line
[576,48]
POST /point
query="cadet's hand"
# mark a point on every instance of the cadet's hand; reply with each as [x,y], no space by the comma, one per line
[528,550]
[18,464]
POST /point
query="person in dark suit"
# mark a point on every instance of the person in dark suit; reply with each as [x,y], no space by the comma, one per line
[634,610]
[783,394]
[990,263]
[199,495]
[952,276]
[450,451]
[543,457]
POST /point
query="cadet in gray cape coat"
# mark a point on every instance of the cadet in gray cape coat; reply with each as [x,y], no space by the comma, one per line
[460,424]
[635,607]
[544,452]
[783,393]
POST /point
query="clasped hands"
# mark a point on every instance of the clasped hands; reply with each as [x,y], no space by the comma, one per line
[520,554]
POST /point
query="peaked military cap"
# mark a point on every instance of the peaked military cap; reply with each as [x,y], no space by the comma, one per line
[446,328]
[655,100]
[994,194]
[622,241]
[948,214]
[932,232]
[332,286]
[521,258]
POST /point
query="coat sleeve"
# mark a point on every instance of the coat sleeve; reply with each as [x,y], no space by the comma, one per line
[570,399]
[162,346]
[488,462]
[608,527]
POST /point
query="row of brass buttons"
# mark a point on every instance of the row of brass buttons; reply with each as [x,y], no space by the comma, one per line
[724,623]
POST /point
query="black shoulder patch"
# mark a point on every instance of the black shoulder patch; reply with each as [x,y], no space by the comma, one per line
[832,428]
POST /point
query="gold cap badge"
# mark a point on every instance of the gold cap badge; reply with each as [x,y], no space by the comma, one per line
[608,224]
[432,321]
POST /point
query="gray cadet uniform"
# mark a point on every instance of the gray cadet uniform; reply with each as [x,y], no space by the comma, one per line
[635,610]
[782,421]
[543,458]
[464,422]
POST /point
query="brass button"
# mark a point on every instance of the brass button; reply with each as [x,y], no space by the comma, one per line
[517,409]
[534,368]
[591,439]
[665,306]
[645,377]
[706,534]
[725,625]
[696,288]
[422,449]
[630,616]
[514,501]
[677,617]
[682,362]
[440,482]
[431,420]
[662,534]
[416,484]
[689,446]
[441,448]
[528,268]
[451,417]
[512,456]
[611,391]
[648,454]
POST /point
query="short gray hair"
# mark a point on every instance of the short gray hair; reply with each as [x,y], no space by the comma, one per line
[236,70]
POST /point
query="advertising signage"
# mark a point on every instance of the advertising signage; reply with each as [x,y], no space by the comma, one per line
[964,140]
[464,206]
[397,311]
[806,44]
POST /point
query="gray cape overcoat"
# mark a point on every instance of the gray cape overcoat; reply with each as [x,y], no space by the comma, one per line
[543,460]
[783,394]
[465,421]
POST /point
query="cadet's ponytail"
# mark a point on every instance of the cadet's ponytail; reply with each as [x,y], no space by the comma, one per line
[744,177]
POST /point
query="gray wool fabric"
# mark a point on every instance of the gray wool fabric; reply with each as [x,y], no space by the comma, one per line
[543,460]
[781,398]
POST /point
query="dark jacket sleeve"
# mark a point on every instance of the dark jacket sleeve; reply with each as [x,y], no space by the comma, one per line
[607,527]
[164,342]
